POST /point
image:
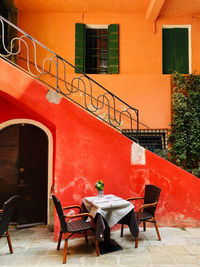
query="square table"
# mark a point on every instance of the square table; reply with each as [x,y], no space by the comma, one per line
[107,211]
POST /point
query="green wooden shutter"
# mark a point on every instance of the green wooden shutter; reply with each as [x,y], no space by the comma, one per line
[175,51]
[80,34]
[113,48]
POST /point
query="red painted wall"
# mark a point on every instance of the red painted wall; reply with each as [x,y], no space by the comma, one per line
[86,150]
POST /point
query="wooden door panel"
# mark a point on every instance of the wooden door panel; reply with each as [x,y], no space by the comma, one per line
[33,177]
[23,171]
[9,142]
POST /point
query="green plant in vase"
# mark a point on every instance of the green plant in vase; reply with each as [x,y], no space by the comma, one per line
[99,185]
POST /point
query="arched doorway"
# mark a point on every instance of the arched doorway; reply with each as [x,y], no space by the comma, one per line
[24,171]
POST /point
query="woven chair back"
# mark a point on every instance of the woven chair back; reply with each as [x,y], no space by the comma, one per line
[8,210]
[151,195]
[60,213]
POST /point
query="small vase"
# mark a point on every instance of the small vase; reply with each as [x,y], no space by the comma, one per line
[100,193]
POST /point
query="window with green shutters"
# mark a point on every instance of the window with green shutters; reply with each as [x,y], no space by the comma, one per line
[97,49]
[175,50]
[113,48]
[80,46]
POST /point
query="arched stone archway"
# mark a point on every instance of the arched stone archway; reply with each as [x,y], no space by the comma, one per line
[50,152]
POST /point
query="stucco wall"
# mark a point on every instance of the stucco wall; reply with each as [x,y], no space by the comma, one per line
[140,82]
[85,149]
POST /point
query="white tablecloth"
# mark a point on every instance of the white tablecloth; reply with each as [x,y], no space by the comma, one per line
[111,207]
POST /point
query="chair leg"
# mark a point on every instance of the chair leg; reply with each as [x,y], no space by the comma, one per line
[96,244]
[59,240]
[122,230]
[144,226]
[136,242]
[157,231]
[9,242]
[65,249]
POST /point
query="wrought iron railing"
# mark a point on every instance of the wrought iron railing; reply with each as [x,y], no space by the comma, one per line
[59,75]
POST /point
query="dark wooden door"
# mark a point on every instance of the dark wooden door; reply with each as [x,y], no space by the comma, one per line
[9,144]
[33,147]
[29,171]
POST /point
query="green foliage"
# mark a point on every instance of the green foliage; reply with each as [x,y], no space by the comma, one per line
[99,185]
[184,138]
[162,153]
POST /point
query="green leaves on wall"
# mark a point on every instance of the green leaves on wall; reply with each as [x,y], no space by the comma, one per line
[185,127]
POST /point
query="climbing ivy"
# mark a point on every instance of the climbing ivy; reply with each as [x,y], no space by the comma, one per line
[184,137]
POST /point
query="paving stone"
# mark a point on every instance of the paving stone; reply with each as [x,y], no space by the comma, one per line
[107,260]
[162,259]
[82,260]
[195,232]
[185,259]
[23,261]
[168,250]
[35,251]
[193,249]
[193,241]
[137,260]
[49,260]
[169,232]
[134,251]
[4,259]
[36,247]
[174,265]
[176,240]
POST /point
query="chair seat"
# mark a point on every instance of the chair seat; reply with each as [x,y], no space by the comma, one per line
[78,226]
[144,216]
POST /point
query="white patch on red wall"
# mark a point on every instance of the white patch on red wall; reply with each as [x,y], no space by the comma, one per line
[138,155]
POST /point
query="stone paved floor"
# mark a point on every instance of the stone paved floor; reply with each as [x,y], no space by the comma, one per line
[36,247]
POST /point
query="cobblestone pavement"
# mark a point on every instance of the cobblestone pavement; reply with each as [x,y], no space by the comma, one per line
[36,247]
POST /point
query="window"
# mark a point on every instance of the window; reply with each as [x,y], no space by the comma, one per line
[175,50]
[151,139]
[97,49]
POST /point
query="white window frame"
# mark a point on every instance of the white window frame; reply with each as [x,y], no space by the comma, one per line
[91,26]
[189,41]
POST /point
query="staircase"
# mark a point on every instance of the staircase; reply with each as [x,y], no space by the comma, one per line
[59,76]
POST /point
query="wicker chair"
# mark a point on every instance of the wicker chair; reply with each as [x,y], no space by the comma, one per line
[6,215]
[146,212]
[68,228]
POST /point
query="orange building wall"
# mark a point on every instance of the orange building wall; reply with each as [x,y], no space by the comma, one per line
[140,82]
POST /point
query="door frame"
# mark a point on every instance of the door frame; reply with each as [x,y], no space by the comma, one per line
[50,152]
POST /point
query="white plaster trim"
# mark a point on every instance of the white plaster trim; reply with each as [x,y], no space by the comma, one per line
[91,26]
[189,41]
[50,150]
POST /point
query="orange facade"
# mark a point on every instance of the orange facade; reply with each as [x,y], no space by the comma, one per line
[140,81]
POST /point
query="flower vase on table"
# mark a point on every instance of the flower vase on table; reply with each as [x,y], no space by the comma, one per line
[99,185]
[100,193]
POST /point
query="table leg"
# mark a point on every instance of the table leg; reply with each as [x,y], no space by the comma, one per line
[106,233]
[108,245]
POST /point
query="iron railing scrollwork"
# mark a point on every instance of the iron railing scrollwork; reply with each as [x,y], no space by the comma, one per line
[59,75]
